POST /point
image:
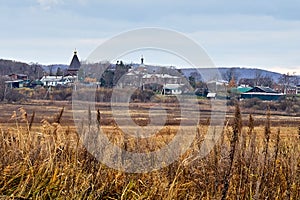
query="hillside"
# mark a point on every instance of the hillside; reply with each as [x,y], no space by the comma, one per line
[33,71]
[225,72]
[239,73]
[52,69]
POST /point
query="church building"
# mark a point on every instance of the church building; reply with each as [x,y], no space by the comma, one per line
[74,65]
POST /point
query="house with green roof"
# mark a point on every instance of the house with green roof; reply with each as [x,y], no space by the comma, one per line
[263,93]
[240,90]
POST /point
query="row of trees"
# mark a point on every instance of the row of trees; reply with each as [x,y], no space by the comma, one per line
[33,71]
[111,77]
[232,76]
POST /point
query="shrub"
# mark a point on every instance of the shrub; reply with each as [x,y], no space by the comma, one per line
[250,103]
[142,95]
[61,94]
[14,95]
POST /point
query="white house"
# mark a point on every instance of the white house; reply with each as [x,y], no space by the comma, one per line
[298,89]
[65,81]
[50,80]
[211,95]
[172,89]
[162,79]
[57,80]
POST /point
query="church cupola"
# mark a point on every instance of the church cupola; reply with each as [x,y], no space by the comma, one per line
[74,65]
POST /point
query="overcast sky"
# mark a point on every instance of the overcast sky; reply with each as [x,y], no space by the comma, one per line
[256,33]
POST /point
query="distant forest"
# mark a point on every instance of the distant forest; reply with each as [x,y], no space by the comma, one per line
[33,71]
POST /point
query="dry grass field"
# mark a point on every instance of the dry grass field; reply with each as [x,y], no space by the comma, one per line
[256,157]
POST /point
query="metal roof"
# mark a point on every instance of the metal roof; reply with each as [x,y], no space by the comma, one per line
[211,95]
[262,89]
[75,64]
[172,86]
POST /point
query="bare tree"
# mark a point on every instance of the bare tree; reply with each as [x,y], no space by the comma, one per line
[257,77]
[295,79]
[231,74]
[3,88]
[266,81]
[285,81]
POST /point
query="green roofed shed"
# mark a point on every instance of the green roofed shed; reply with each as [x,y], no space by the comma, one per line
[241,89]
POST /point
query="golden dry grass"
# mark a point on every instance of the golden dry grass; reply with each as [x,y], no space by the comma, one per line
[48,161]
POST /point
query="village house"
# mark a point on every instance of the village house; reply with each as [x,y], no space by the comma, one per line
[14,84]
[162,79]
[57,80]
[290,90]
[211,95]
[18,76]
[172,89]
[298,89]
[286,89]
[50,80]
[132,78]
[216,86]
[263,93]
[139,77]
[16,80]
[67,79]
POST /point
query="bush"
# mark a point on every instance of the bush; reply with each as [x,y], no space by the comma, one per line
[142,95]
[62,94]
[39,92]
[289,104]
[230,102]
[250,103]
[13,95]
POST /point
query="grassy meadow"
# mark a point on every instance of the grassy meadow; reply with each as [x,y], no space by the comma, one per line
[42,157]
